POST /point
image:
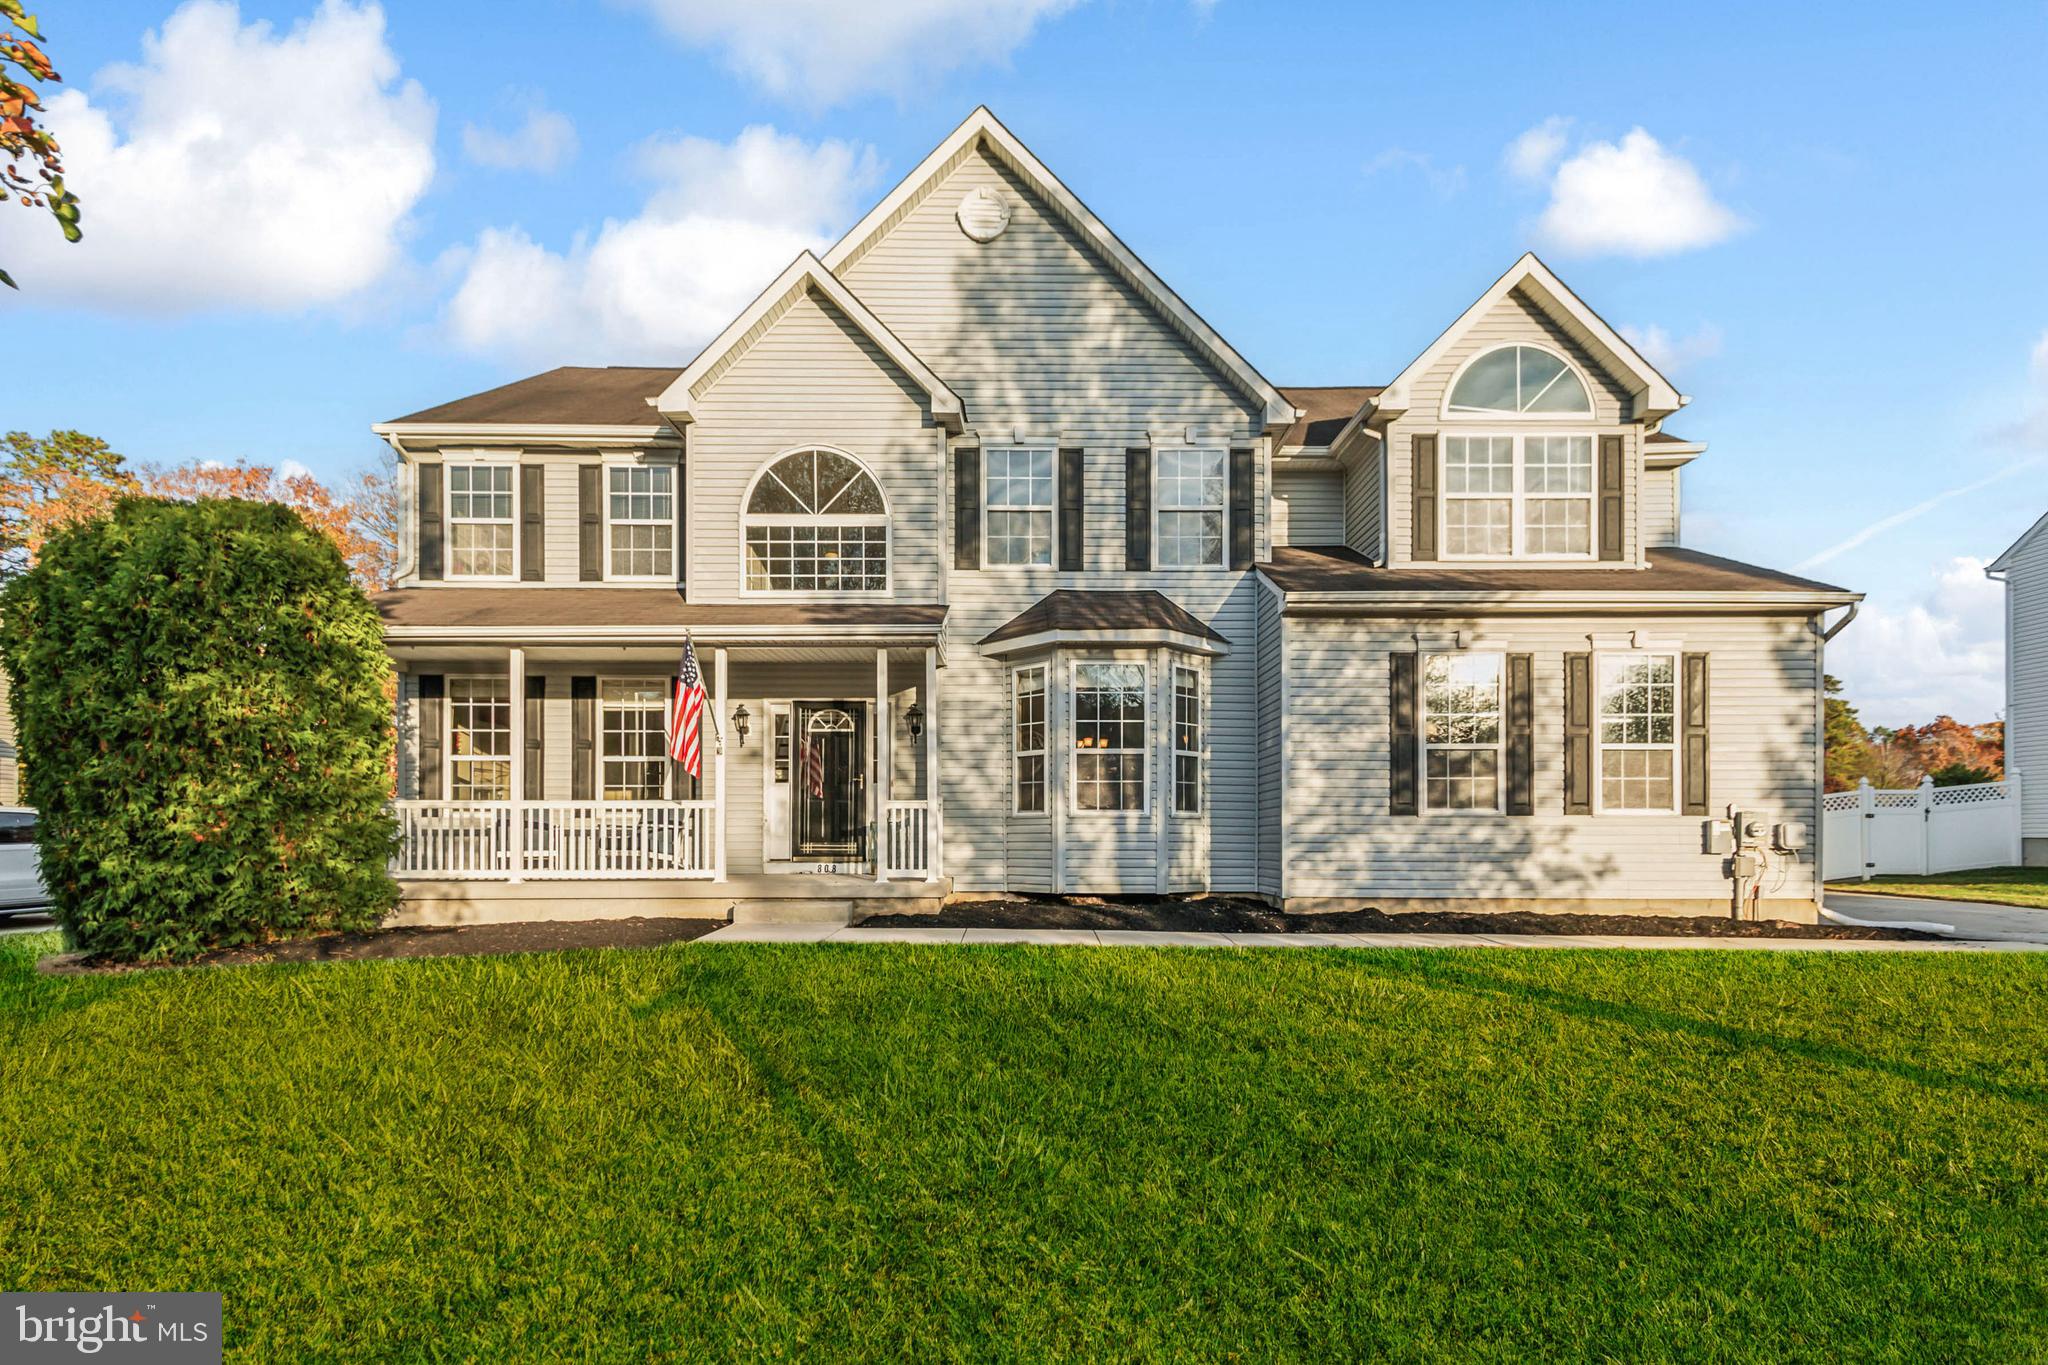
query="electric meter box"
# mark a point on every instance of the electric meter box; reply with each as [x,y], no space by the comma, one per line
[1791,836]
[1717,837]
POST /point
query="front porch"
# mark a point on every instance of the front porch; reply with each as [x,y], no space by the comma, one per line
[819,774]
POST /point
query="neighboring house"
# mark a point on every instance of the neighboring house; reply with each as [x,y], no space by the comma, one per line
[1127,617]
[2024,571]
[10,754]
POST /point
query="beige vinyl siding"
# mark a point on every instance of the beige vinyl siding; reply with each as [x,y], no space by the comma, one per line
[1308,506]
[813,379]
[2026,714]
[1660,507]
[1341,841]
[1270,738]
[1514,319]
[1363,522]
[562,532]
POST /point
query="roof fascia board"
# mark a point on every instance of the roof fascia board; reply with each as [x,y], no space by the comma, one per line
[1277,412]
[678,404]
[562,432]
[1658,396]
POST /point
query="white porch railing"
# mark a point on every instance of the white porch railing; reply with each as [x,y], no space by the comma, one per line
[906,838]
[561,839]
[1919,830]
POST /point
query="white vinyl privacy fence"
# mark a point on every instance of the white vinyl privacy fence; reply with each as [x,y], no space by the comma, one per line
[1871,832]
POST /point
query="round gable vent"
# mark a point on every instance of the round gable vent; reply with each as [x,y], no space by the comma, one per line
[983,215]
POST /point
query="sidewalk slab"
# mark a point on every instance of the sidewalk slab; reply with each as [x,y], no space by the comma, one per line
[1147,938]
[899,934]
[771,933]
[1084,937]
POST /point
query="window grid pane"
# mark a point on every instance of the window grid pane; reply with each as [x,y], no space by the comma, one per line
[822,558]
[642,511]
[1189,488]
[480,520]
[633,739]
[479,739]
[1109,737]
[1461,731]
[1638,731]
[1029,739]
[1187,741]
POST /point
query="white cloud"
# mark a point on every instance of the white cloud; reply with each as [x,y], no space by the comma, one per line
[1672,355]
[1445,181]
[236,166]
[1632,198]
[818,52]
[723,220]
[1531,156]
[1943,653]
[545,142]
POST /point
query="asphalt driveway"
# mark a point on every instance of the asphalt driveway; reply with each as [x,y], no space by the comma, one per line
[1969,919]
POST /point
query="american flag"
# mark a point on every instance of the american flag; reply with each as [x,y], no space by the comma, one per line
[686,717]
[814,768]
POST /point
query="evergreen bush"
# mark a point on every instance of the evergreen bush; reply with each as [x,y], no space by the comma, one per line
[200,696]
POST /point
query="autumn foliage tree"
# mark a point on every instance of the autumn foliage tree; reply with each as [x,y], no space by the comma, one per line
[30,166]
[1945,749]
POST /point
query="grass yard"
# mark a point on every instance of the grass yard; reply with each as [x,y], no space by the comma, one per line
[2004,885]
[931,1152]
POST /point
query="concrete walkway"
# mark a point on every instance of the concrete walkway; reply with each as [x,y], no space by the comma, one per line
[1975,920]
[1135,938]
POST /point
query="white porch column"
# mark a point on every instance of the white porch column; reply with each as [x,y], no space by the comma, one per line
[515,691]
[935,823]
[878,789]
[718,723]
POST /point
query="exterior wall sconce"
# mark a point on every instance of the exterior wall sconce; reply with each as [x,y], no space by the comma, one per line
[914,719]
[740,717]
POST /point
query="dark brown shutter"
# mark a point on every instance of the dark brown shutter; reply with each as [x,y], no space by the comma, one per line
[1521,735]
[433,690]
[532,535]
[682,522]
[1578,734]
[1138,508]
[1422,540]
[582,738]
[1695,717]
[1610,497]
[1402,752]
[536,746]
[431,541]
[590,523]
[1241,481]
[1071,524]
[967,507]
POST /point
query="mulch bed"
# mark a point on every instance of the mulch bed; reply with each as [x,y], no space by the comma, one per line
[467,940]
[1230,915]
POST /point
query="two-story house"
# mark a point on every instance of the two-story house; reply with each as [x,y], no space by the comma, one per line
[1010,574]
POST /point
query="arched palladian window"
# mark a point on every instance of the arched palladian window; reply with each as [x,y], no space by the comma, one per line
[815,521]
[1515,381]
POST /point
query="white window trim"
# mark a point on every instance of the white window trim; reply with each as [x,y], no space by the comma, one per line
[1044,751]
[1423,746]
[1518,499]
[1449,414]
[477,458]
[1200,753]
[1073,733]
[663,686]
[1159,510]
[1051,508]
[449,756]
[885,520]
[612,462]
[1674,748]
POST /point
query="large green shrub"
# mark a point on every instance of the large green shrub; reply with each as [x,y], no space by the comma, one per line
[200,696]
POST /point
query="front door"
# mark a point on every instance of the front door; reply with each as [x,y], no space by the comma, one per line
[829,784]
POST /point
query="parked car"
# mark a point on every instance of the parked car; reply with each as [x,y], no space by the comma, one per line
[21,876]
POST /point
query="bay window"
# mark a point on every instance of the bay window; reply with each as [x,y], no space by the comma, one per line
[1187,741]
[1028,707]
[1461,731]
[1110,724]
[1636,732]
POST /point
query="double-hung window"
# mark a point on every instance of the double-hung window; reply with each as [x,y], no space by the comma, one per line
[1187,741]
[480,532]
[633,730]
[1518,495]
[1028,707]
[479,739]
[1188,486]
[642,525]
[1109,736]
[1020,521]
[1461,731]
[1637,732]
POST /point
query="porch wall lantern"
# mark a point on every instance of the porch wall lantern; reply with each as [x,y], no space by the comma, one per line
[914,719]
[740,717]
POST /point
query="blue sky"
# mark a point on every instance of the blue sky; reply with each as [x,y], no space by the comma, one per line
[302,218]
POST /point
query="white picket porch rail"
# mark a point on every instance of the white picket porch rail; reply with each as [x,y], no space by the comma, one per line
[906,838]
[560,839]
[1914,831]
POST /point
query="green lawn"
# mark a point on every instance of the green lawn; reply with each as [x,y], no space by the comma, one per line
[2006,885]
[924,1152]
